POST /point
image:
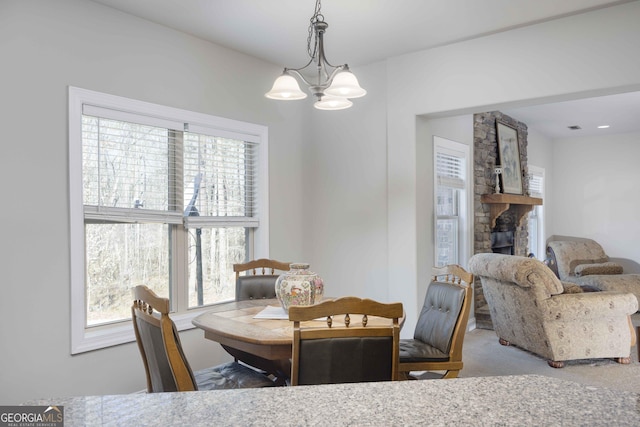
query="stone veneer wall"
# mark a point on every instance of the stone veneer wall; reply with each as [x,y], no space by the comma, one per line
[485,158]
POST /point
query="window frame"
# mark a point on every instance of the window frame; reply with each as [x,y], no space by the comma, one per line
[538,211]
[85,339]
[464,242]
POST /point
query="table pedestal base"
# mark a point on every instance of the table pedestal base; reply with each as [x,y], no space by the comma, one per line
[279,369]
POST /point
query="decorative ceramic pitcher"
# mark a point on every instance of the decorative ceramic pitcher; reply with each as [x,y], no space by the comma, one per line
[299,286]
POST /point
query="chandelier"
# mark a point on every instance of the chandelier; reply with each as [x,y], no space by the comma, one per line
[331,85]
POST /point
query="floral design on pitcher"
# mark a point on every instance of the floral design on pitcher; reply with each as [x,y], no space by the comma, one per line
[299,286]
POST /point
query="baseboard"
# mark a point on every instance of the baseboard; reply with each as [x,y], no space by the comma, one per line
[471,325]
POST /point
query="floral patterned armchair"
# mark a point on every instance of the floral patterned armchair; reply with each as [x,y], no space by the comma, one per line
[530,310]
[585,263]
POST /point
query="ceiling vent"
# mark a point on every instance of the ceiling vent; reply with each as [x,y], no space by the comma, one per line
[574,127]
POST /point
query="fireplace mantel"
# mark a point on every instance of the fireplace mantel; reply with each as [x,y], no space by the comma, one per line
[500,203]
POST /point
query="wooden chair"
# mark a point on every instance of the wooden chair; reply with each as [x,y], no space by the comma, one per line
[259,279]
[439,333]
[165,364]
[345,350]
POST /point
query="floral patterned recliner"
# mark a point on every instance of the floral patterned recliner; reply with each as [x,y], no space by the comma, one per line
[585,263]
[530,310]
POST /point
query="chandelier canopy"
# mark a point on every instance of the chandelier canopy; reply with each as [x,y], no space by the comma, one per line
[332,85]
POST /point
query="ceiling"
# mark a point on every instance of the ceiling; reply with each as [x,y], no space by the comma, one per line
[365,31]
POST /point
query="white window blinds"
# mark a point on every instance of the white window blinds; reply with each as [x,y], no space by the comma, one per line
[536,184]
[137,170]
[128,171]
[450,170]
[223,172]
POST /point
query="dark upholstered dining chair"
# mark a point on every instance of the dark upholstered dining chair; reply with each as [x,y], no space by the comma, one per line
[345,349]
[165,364]
[259,280]
[439,333]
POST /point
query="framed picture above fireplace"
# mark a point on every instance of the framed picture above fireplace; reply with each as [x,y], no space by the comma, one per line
[509,155]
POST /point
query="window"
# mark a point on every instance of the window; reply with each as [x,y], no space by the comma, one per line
[451,201]
[536,216]
[161,197]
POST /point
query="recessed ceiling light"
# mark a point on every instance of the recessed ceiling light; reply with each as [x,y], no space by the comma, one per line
[603,127]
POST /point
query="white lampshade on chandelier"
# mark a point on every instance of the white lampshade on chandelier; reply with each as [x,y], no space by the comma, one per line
[332,85]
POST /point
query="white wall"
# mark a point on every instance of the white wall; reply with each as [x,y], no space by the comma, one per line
[540,153]
[345,185]
[599,175]
[550,60]
[46,46]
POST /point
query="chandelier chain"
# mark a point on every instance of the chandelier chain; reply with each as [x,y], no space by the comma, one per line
[311,39]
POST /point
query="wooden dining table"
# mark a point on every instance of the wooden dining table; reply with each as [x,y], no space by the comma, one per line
[264,343]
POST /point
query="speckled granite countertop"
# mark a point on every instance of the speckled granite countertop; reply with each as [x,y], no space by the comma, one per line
[526,400]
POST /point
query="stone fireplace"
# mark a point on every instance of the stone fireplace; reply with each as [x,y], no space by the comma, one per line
[499,219]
